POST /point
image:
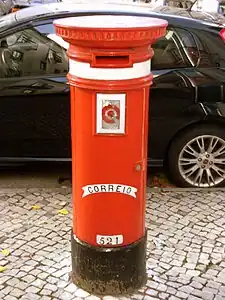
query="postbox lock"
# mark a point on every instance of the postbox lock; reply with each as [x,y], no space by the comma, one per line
[138,167]
[110,117]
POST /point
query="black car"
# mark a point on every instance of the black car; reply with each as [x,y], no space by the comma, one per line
[187,111]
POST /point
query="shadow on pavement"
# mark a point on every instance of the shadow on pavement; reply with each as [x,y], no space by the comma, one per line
[58,175]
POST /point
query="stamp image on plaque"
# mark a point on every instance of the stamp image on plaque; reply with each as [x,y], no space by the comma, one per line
[111,113]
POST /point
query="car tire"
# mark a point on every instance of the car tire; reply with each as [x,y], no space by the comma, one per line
[196,158]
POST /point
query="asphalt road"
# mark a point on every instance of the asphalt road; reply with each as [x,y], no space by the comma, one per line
[39,176]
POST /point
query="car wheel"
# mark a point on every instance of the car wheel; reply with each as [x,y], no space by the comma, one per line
[197,157]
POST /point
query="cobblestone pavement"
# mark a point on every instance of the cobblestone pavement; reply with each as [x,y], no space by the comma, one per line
[186,240]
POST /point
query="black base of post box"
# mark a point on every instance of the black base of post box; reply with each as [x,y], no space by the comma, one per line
[109,271]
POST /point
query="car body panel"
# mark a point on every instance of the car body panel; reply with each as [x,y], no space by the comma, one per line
[170,13]
[182,98]
[45,122]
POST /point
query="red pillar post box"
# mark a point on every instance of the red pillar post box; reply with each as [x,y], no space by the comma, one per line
[109,74]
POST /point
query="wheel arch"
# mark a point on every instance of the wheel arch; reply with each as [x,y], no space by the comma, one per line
[215,121]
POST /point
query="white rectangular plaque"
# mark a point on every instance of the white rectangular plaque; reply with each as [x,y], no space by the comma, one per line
[110,117]
[109,239]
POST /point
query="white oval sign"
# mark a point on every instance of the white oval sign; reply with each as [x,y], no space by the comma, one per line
[109,188]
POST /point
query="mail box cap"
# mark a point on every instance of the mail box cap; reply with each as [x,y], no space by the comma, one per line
[110,31]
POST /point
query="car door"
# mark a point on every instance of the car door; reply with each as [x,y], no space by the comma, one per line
[171,91]
[34,97]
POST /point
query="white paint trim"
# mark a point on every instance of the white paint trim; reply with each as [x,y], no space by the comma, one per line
[99,106]
[84,70]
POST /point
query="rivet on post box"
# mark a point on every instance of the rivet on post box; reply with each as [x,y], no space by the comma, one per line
[109,76]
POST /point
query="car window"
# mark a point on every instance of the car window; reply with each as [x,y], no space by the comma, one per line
[46,28]
[211,48]
[189,45]
[177,49]
[49,31]
[29,52]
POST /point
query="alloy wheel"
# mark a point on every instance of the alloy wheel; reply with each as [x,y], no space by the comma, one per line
[202,161]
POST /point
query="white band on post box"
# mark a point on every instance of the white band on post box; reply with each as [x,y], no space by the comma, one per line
[84,70]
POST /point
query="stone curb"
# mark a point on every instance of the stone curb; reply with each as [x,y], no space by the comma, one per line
[69,189]
[181,190]
[36,190]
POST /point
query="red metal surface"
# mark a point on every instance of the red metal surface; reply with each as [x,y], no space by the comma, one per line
[109,158]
